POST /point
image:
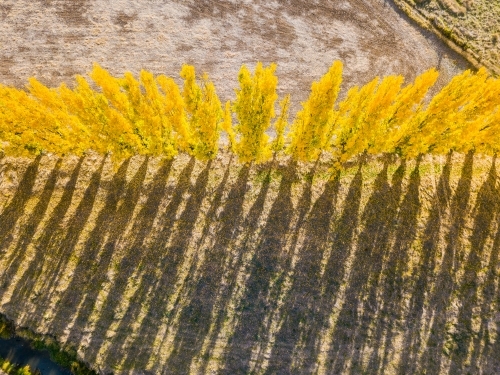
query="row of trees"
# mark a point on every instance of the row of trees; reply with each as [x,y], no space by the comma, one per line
[152,115]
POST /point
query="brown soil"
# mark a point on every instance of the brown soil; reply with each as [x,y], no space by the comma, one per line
[56,39]
[186,267]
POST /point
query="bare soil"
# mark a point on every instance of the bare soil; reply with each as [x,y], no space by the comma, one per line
[55,39]
[183,267]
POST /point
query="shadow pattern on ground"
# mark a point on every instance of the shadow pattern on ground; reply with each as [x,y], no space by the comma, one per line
[261,269]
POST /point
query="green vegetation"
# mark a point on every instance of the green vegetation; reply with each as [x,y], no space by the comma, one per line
[64,356]
[12,369]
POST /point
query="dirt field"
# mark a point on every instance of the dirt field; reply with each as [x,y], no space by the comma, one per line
[56,39]
[185,267]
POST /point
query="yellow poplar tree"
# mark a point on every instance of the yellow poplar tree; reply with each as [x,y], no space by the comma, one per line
[175,112]
[29,127]
[400,115]
[365,121]
[475,117]
[123,115]
[204,111]
[254,107]
[280,125]
[442,115]
[91,108]
[311,127]
[348,117]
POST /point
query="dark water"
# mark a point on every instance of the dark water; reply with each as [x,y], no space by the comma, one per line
[18,351]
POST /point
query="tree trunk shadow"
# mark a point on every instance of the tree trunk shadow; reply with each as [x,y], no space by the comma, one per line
[29,229]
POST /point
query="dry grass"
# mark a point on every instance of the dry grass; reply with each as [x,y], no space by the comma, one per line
[472,25]
[184,267]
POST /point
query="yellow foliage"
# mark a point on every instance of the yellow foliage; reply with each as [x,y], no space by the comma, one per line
[227,125]
[311,128]
[204,111]
[360,129]
[349,118]
[406,106]
[254,107]
[151,115]
[281,124]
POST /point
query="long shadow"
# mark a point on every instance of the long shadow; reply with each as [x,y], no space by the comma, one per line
[260,296]
[489,359]
[136,252]
[196,315]
[29,229]
[300,311]
[393,286]
[154,291]
[342,234]
[15,209]
[302,209]
[85,268]
[62,251]
[250,226]
[351,328]
[424,272]
[445,280]
[485,209]
[117,222]
[51,230]
[386,201]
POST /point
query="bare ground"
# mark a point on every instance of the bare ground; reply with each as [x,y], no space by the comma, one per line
[56,39]
[186,267]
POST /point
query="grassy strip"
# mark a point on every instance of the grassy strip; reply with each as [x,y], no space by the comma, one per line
[446,35]
[12,369]
[65,356]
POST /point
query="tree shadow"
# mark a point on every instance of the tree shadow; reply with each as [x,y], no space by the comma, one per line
[86,265]
[195,317]
[445,279]
[393,285]
[264,281]
[98,267]
[29,229]
[135,252]
[485,209]
[361,303]
[250,226]
[380,225]
[15,209]
[60,252]
[51,230]
[489,359]
[301,310]
[154,291]
[423,273]
[286,266]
